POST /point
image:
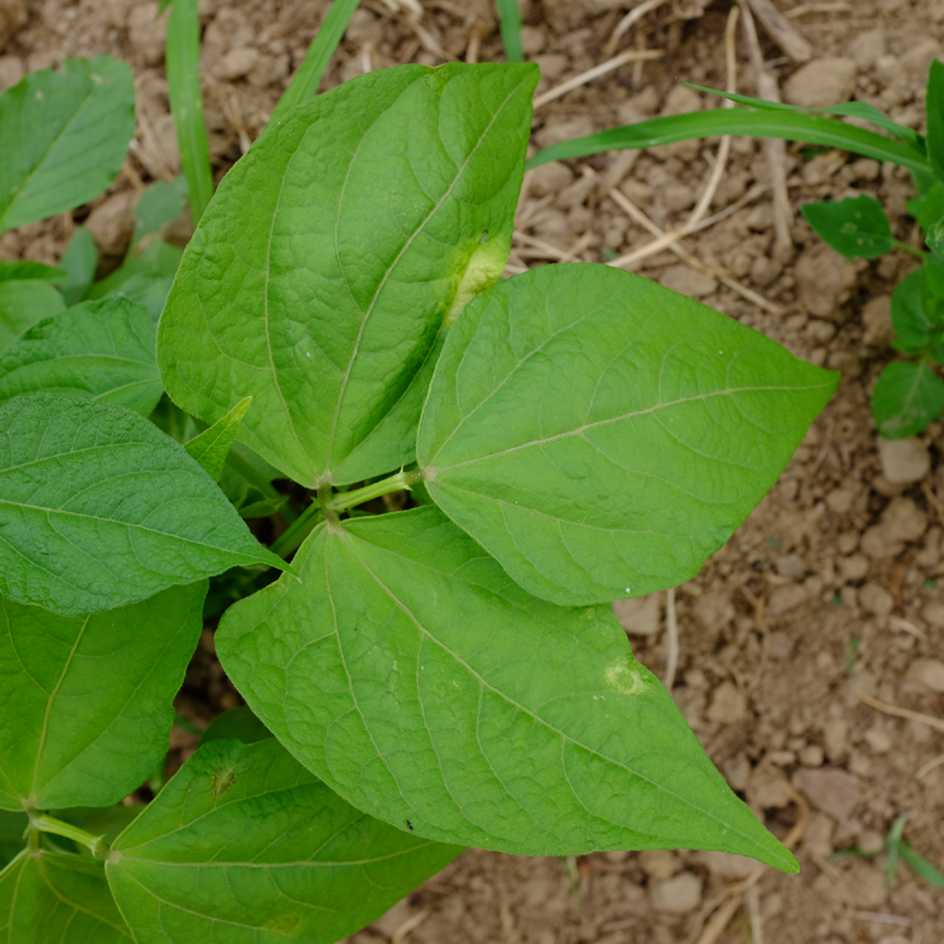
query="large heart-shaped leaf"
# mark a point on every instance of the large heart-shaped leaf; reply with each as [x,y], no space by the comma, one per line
[320,276]
[104,349]
[53,897]
[245,846]
[601,436]
[65,135]
[85,705]
[99,508]
[410,673]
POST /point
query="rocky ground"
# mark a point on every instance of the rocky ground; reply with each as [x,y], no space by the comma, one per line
[812,648]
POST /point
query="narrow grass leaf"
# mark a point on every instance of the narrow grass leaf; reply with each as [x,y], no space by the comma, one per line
[305,82]
[935,117]
[509,20]
[861,110]
[186,102]
[920,866]
[751,122]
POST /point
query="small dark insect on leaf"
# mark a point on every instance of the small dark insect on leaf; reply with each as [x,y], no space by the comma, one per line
[409,826]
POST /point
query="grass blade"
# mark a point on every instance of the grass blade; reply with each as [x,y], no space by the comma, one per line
[920,866]
[509,20]
[304,84]
[755,123]
[186,102]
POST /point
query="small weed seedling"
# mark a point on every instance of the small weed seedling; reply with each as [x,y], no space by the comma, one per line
[444,676]
[909,394]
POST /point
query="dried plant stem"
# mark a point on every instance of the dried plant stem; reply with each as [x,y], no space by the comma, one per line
[631,55]
[782,31]
[695,263]
[626,23]
[724,148]
[776,150]
[898,712]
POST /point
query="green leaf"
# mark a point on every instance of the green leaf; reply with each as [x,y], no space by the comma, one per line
[22,304]
[305,82]
[297,290]
[104,349]
[239,724]
[104,821]
[66,134]
[24,270]
[910,319]
[86,708]
[935,117]
[855,227]
[861,110]
[928,208]
[907,398]
[50,896]
[12,835]
[160,204]
[79,261]
[244,846]
[411,674]
[211,447]
[99,508]
[145,278]
[752,122]
[920,866]
[182,58]
[601,436]
[509,21]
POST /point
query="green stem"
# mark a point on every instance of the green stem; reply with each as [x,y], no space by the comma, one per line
[49,824]
[907,247]
[297,531]
[402,481]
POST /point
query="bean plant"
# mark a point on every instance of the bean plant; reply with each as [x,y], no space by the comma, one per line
[909,393]
[449,476]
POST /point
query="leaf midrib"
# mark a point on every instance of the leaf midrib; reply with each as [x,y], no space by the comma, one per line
[372,305]
[241,555]
[684,801]
[622,417]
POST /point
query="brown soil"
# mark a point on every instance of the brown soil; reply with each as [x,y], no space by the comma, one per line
[830,592]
